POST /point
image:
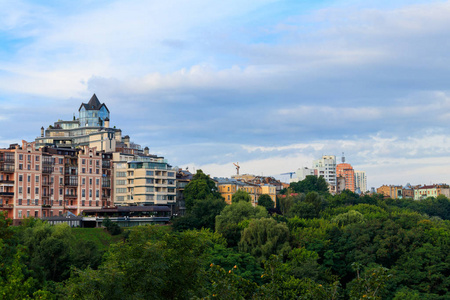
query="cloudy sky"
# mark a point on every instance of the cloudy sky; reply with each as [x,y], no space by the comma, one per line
[270,84]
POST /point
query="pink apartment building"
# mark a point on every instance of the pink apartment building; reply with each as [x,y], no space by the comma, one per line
[49,182]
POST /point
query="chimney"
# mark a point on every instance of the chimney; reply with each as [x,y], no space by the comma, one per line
[106,122]
[42,131]
[146,150]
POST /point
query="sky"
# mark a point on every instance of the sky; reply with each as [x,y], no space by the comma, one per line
[270,84]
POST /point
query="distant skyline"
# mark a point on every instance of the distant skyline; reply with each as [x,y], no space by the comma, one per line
[270,84]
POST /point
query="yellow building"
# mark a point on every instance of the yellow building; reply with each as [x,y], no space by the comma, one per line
[391,191]
[227,187]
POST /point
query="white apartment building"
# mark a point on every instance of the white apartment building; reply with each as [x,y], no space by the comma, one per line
[361,181]
[302,173]
[326,167]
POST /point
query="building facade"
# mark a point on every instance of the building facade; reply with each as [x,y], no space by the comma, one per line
[227,187]
[346,171]
[326,167]
[361,181]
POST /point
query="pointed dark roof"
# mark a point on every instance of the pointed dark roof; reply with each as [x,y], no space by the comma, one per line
[93,104]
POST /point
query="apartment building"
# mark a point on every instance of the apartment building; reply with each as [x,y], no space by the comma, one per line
[434,190]
[326,167]
[346,171]
[361,181]
[391,191]
[46,182]
[143,180]
[227,187]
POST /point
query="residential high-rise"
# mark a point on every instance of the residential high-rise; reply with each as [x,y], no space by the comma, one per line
[326,167]
[346,171]
[361,181]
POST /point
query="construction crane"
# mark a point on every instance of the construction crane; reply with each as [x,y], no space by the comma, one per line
[288,173]
[237,167]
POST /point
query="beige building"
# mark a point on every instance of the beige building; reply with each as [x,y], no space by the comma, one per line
[143,180]
[227,187]
[391,191]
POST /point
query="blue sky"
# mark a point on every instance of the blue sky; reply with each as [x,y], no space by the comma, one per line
[270,84]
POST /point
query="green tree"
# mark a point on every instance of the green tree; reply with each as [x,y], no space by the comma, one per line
[350,217]
[199,188]
[311,183]
[241,195]
[265,201]
[264,237]
[202,215]
[231,220]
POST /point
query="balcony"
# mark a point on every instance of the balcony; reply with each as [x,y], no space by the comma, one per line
[70,207]
[72,195]
[6,206]
[7,194]
[46,206]
[47,170]
[71,183]
[7,168]
[106,164]
[6,183]
[7,159]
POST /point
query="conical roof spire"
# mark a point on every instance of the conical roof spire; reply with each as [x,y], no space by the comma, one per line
[94,103]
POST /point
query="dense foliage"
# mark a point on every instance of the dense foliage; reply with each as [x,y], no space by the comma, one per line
[322,247]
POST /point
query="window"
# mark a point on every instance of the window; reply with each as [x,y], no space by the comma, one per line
[20,201]
[20,190]
[36,167]
[97,163]
[97,181]
[60,180]
[120,182]
[37,191]
[149,173]
[37,158]
[28,178]
[19,214]
[20,156]
[61,170]
[83,202]
[60,191]
[83,170]
[20,166]
[171,174]
[121,174]
[149,180]
[90,193]
[28,190]
[83,161]
[90,162]
[97,193]
[20,177]
[60,160]
[29,158]
[90,181]
[121,190]
[83,193]
[29,167]
[28,201]
[90,202]
[36,201]
[37,179]
[97,171]
[51,191]
[90,171]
